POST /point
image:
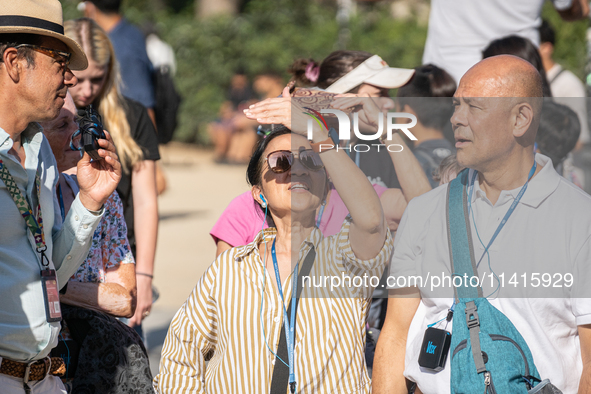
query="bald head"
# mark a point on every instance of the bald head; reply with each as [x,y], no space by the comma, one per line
[502,76]
[498,106]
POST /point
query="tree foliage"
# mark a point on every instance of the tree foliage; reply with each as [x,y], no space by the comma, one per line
[270,34]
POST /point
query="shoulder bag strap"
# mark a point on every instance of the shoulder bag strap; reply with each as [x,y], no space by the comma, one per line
[462,259]
[461,250]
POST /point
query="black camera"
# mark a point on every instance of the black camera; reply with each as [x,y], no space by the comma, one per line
[91,128]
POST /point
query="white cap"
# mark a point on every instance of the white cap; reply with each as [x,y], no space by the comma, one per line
[373,71]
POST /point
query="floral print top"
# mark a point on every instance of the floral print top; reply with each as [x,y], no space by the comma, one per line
[110,246]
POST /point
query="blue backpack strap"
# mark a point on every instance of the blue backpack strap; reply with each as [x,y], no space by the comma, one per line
[461,250]
[462,259]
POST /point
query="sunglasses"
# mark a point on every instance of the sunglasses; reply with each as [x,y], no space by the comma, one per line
[61,57]
[281,161]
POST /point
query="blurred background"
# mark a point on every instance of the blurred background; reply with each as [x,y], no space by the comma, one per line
[213,39]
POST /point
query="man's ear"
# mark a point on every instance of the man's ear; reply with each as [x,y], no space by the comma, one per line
[13,64]
[524,117]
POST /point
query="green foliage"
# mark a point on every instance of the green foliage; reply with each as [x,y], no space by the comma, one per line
[570,49]
[270,34]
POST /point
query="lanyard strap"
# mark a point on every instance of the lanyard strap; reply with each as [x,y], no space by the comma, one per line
[61,201]
[290,326]
[34,224]
[511,208]
[320,213]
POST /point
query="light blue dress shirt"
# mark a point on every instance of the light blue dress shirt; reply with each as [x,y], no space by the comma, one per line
[25,334]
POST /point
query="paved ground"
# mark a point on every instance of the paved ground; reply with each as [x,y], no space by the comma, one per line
[197,193]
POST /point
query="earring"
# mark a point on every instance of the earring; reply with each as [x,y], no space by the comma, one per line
[323,203]
[264,204]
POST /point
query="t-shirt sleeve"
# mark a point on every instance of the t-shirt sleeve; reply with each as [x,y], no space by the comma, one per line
[581,291]
[239,223]
[143,130]
[404,258]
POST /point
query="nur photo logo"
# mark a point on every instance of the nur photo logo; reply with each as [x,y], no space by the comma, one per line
[344,128]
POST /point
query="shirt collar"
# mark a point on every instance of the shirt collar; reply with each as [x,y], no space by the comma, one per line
[539,188]
[269,234]
[31,135]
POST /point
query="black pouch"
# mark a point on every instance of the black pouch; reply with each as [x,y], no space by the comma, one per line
[434,349]
[68,350]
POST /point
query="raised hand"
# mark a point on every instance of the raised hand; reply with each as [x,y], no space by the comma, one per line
[99,179]
[282,110]
[273,110]
[371,108]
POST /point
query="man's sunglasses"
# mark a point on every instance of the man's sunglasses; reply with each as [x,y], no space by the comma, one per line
[280,161]
[62,57]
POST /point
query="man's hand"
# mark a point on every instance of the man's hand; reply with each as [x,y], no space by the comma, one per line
[99,179]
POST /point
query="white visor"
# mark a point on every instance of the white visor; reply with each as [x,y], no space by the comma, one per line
[373,71]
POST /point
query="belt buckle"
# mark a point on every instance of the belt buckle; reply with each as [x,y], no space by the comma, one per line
[27,372]
[46,361]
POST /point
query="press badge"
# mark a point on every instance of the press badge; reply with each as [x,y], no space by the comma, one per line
[51,295]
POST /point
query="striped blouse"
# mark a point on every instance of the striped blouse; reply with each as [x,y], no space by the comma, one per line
[222,322]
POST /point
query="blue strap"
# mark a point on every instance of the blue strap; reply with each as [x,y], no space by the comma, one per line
[61,201]
[460,237]
[289,325]
[509,212]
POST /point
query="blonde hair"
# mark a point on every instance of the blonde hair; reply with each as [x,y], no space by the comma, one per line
[109,102]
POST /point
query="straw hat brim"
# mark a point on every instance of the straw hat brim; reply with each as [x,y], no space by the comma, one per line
[78,61]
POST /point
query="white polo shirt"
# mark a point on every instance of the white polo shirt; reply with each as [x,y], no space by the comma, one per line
[549,231]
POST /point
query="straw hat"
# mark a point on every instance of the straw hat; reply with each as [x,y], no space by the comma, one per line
[42,17]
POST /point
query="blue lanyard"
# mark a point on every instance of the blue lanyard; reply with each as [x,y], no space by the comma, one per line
[61,201]
[320,213]
[511,208]
[289,327]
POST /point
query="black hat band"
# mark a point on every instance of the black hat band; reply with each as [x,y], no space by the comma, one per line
[27,21]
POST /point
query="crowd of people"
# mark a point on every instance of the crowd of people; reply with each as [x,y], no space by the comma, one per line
[480,186]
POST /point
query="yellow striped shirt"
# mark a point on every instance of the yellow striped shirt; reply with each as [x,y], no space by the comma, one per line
[221,322]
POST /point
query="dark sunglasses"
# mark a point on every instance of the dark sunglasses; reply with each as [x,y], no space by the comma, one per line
[62,57]
[280,161]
